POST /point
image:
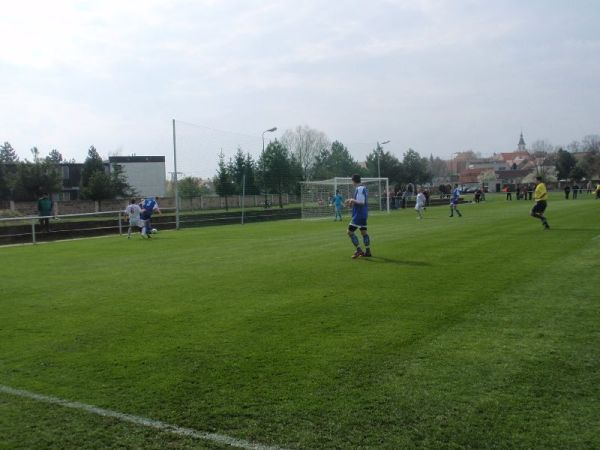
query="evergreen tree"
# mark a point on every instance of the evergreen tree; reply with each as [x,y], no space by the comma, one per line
[93,163]
[36,177]
[237,170]
[335,162]
[415,167]
[281,171]
[251,182]
[223,181]
[565,163]
[8,155]
[118,181]
[380,161]
[99,187]
[54,157]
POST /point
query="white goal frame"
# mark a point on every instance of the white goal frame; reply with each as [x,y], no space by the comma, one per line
[315,195]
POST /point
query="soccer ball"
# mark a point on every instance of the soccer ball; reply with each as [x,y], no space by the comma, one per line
[154,231]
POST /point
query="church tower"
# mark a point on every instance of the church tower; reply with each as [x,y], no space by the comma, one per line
[521,147]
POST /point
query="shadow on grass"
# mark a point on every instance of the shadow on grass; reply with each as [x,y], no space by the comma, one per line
[400,262]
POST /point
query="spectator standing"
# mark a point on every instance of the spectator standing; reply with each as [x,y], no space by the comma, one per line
[45,207]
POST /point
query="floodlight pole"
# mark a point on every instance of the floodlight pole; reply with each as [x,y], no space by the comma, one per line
[175,178]
[243,195]
[270,130]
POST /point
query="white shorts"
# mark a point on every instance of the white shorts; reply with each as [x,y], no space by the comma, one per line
[136,222]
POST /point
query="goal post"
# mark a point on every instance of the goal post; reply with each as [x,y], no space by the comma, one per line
[316,196]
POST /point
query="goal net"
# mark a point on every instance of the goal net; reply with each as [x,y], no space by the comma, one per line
[316,196]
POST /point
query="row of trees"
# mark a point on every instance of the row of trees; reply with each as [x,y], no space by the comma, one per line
[301,154]
[305,154]
[28,179]
[571,168]
[321,159]
[563,161]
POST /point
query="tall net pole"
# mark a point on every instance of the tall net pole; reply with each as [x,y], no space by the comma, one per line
[175,178]
[243,196]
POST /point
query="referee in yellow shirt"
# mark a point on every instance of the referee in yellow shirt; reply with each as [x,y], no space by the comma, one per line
[540,196]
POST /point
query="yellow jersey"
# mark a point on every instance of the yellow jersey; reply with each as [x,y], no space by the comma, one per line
[540,192]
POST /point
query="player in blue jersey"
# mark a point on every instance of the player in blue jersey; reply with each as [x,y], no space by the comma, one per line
[360,212]
[454,198]
[149,205]
[338,203]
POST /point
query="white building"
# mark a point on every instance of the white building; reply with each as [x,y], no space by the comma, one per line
[145,174]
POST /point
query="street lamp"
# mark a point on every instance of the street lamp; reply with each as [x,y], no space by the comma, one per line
[270,130]
[379,150]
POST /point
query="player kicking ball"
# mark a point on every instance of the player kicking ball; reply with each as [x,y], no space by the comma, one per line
[360,212]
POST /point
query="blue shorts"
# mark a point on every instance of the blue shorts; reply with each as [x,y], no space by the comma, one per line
[358,222]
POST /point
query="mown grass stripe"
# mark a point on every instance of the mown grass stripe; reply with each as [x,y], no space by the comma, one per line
[137,420]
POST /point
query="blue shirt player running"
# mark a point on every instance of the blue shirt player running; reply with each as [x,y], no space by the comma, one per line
[360,212]
[149,205]
[454,198]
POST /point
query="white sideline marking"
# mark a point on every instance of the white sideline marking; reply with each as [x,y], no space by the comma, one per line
[137,420]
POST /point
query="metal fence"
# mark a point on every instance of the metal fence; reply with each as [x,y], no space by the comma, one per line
[29,229]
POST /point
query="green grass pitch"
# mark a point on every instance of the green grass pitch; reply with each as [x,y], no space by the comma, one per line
[473,332]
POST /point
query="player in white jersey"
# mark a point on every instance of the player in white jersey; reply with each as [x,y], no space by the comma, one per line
[133,212]
[420,203]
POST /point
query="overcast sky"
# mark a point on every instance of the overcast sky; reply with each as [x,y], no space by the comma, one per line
[437,76]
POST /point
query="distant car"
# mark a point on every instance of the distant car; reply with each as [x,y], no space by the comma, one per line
[472,189]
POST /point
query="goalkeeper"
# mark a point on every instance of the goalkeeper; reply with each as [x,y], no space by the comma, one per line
[338,203]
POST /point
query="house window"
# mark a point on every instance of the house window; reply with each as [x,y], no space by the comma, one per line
[65,172]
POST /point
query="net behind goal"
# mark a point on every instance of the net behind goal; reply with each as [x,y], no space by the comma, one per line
[316,196]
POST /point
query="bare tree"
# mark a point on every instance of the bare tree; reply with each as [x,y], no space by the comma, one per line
[591,143]
[574,147]
[487,178]
[544,157]
[305,144]
[542,146]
